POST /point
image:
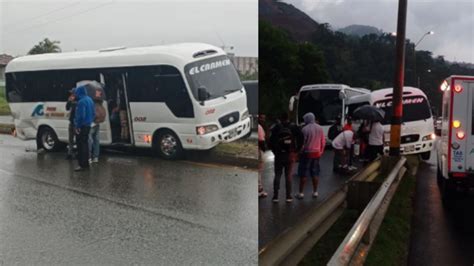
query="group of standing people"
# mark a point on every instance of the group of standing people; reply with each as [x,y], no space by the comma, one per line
[85,116]
[290,144]
[368,139]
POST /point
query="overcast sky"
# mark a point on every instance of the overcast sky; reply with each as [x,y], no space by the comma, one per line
[86,25]
[451,20]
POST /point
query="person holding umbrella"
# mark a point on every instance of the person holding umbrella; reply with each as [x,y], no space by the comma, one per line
[85,115]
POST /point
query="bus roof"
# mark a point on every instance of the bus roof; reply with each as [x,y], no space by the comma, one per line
[388,92]
[323,86]
[384,94]
[174,54]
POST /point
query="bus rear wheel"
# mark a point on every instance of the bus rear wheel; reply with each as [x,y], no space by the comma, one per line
[167,145]
[48,139]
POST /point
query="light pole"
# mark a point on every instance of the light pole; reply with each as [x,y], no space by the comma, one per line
[397,107]
[417,79]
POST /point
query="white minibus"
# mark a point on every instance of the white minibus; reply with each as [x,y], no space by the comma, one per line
[171,97]
[456,145]
[417,133]
[326,102]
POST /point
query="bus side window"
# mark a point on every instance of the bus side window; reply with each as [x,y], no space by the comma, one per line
[14,87]
[160,84]
[174,92]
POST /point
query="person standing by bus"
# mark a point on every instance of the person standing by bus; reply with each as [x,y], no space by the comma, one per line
[261,151]
[342,148]
[84,116]
[285,141]
[71,107]
[313,148]
[94,135]
[375,141]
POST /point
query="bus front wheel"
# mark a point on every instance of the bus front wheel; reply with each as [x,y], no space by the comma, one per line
[48,139]
[425,155]
[167,145]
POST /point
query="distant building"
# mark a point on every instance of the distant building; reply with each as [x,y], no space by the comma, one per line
[245,64]
[4,59]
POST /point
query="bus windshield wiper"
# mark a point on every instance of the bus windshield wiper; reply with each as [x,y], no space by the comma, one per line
[231,90]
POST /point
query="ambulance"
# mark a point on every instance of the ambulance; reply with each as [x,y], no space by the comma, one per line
[456,145]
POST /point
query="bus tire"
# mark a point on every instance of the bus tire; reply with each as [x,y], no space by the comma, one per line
[439,176]
[425,155]
[48,140]
[167,145]
[448,192]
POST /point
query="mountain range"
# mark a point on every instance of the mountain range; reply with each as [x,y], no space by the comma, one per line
[298,24]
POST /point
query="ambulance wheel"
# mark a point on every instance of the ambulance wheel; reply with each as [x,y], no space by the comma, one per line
[47,139]
[167,145]
[426,155]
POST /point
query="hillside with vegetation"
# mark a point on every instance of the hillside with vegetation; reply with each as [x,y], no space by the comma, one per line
[334,57]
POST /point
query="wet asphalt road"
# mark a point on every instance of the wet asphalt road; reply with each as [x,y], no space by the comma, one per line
[128,209]
[440,236]
[275,218]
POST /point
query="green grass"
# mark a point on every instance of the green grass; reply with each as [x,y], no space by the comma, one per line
[4,109]
[392,241]
[244,148]
[328,244]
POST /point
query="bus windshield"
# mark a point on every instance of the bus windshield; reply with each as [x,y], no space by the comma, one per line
[324,104]
[414,108]
[217,75]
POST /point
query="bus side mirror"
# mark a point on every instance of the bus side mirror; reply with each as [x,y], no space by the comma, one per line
[342,95]
[292,103]
[202,94]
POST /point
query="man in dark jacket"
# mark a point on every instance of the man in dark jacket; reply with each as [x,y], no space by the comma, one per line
[71,107]
[84,116]
[285,142]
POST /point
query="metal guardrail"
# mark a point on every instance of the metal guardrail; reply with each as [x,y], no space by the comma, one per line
[360,232]
[290,247]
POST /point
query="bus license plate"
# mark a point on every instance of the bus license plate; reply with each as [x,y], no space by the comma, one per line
[233,133]
[410,148]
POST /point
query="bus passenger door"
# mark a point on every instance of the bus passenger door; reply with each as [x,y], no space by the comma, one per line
[104,134]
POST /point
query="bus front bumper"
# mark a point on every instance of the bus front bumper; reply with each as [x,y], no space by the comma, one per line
[224,135]
[413,148]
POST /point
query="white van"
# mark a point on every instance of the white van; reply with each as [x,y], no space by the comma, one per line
[417,132]
[175,97]
[456,145]
[325,101]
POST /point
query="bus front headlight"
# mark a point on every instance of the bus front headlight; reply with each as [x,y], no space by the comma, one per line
[245,115]
[431,136]
[203,130]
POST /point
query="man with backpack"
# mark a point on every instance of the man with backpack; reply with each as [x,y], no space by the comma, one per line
[94,135]
[285,142]
[83,118]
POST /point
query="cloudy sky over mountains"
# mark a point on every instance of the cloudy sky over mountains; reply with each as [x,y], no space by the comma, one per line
[452,21]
